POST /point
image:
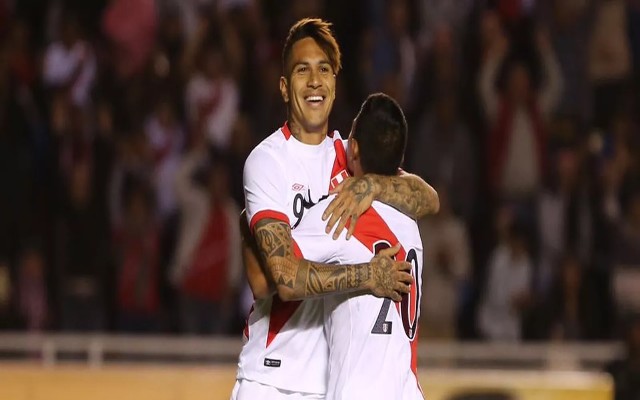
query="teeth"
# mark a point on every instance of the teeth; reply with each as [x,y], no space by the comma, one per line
[314,98]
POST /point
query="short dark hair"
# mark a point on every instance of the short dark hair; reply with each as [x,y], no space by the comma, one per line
[320,31]
[380,129]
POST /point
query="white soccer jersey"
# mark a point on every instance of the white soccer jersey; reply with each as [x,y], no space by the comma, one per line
[372,341]
[285,346]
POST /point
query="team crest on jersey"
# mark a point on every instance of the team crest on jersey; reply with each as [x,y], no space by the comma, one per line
[297,187]
[338,178]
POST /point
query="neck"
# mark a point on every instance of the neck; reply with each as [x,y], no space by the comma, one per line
[307,137]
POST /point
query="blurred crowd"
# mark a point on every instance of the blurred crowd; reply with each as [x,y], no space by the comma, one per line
[124,126]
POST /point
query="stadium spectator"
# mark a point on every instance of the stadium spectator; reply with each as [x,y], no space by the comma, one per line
[565,215]
[6,289]
[441,151]
[207,267]
[212,97]
[70,64]
[609,60]
[438,72]
[570,22]
[388,55]
[137,248]
[570,308]
[434,14]
[507,292]
[627,242]
[32,296]
[517,116]
[81,251]
[447,269]
[130,26]
[17,166]
[626,372]
[166,139]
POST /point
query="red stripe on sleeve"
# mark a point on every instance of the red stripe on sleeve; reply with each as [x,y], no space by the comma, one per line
[282,311]
[260,215]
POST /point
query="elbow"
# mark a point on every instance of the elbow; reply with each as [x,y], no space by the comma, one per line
[260,292]
[286,293]
[431,205]
[435,203]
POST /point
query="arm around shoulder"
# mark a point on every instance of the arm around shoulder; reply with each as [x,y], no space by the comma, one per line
[408,193]
[297,279]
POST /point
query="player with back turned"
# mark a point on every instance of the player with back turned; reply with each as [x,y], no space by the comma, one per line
[372,341]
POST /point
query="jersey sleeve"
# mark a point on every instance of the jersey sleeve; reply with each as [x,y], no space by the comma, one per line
[265,188]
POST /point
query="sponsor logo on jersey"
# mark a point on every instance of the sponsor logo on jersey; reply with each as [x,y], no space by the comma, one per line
[300,204]
[297,187]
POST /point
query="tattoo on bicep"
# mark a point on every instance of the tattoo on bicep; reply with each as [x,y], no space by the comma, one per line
[274,242]
[273,239]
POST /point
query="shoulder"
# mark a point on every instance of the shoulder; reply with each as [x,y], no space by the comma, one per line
[55,49]
[270,151]
[388,215]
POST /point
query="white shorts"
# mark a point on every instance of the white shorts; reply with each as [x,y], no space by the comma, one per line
[250,390]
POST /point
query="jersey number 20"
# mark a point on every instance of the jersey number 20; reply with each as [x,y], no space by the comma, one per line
[409,304]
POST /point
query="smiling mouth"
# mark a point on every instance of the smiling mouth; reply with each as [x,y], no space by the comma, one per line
[315,99]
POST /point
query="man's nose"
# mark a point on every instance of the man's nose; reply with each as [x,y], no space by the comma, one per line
[314,79]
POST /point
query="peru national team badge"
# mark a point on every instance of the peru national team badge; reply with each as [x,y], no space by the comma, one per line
[336,180]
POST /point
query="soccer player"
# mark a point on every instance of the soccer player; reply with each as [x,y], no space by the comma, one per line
[372,341]
[285,354]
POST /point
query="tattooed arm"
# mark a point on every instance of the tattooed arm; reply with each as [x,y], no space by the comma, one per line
[406,192]
[297,279]
[260,286]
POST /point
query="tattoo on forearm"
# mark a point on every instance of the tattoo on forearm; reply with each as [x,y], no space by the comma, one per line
[273,239]
[305,278]
[284,272]
[409,194]
[320,279]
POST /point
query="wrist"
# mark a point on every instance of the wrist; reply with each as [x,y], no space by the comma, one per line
[367,273]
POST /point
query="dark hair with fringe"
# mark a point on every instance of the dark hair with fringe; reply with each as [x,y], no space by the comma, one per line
[380,129]
[320,31]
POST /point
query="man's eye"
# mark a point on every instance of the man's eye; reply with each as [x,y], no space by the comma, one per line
[302,70]
[325,70]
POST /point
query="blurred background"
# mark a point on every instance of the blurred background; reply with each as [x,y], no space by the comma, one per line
[124,126]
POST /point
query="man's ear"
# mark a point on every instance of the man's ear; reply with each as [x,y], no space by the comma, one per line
[284,90]
[355,149]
